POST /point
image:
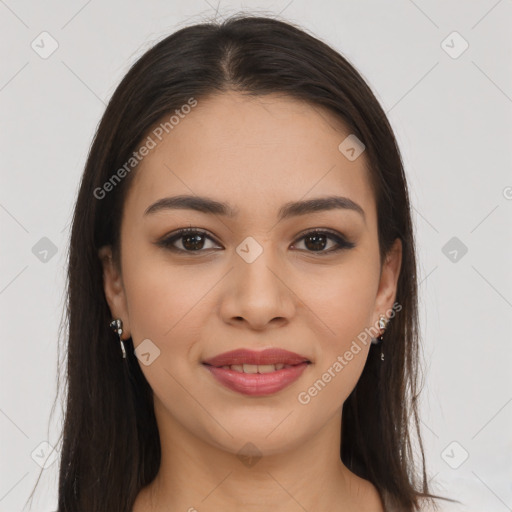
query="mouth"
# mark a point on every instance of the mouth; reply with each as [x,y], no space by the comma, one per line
[250,361]
[257,373]
[257,368]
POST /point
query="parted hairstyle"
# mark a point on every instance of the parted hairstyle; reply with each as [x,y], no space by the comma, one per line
[110,441]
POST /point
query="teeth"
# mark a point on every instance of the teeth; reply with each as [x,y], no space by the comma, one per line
[266,368]
[250,368]
[254,368]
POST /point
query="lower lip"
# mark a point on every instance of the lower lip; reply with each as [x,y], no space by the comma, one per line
[257,384]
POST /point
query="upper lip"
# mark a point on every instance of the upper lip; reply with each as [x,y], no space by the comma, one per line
[268,356]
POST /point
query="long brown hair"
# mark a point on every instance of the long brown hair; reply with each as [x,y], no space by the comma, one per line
[110,442]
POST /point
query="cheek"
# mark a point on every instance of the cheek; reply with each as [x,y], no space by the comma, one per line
[342,300]
[169,305]
[160,299]
[166,304]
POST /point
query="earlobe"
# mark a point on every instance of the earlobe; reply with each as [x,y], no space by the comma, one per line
[114,289]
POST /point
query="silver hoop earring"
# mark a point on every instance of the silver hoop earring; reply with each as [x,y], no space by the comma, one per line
[383,322]
[117,326]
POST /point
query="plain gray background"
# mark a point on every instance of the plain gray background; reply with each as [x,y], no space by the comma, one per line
[451,111]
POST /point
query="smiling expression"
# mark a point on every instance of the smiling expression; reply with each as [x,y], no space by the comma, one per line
[280,250]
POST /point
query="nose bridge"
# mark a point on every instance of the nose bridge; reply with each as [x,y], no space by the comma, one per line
[258,265]
[257,290]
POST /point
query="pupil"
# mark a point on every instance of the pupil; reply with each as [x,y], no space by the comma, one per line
[318,239]
[197,237]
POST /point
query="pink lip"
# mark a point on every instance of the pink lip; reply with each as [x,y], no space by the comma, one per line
[268,356]
[258,384]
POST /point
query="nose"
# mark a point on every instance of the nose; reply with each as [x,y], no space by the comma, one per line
[257,294]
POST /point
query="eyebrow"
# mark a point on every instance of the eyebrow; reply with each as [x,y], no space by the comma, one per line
[288,210]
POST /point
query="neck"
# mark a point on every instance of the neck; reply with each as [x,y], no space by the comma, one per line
[196,475]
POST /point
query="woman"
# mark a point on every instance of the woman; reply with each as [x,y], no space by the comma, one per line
[243,226]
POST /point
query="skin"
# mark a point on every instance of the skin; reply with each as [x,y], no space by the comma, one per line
[256,154]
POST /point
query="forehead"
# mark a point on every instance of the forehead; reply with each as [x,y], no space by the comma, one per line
[253,151]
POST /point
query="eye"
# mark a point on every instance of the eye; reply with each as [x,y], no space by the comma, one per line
[316,240]
[191,239]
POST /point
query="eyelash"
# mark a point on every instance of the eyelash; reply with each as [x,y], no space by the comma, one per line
[340,240]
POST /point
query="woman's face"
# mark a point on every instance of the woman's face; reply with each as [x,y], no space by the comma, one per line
[254,280]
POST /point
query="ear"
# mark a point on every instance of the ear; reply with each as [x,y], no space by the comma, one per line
[388,281]
[114,289]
